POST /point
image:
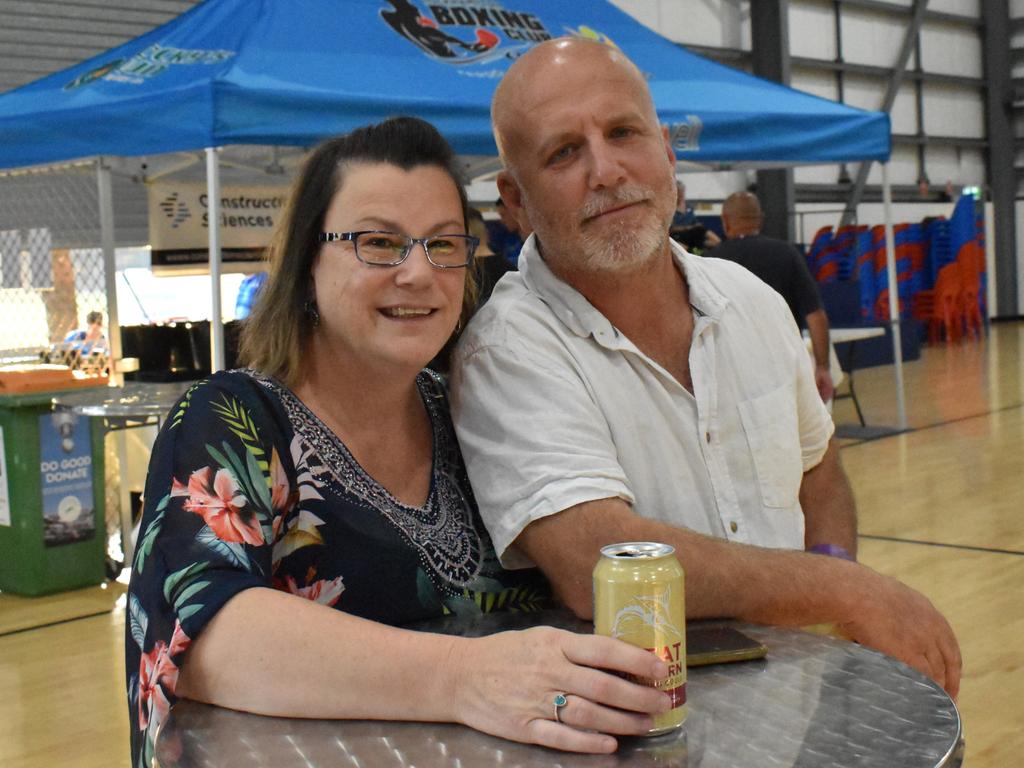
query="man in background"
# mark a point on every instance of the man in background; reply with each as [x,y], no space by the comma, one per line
[780,265]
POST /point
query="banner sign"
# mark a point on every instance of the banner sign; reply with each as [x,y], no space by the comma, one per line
[65,472]
[179,221]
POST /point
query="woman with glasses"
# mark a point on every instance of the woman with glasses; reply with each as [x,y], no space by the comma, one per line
[298,511]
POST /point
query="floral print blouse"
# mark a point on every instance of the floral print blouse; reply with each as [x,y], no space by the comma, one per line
[248,488]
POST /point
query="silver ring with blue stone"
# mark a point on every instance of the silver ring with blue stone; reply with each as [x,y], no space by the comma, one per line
[559,701]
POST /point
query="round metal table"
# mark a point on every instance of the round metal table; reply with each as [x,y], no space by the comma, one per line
[814,702]
[126,405]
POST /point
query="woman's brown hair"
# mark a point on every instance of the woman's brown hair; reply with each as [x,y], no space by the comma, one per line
[274,336]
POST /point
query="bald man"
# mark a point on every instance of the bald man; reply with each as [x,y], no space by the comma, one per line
[782,267]
[618,389]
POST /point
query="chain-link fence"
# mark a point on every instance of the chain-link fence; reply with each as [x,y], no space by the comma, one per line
[53,303]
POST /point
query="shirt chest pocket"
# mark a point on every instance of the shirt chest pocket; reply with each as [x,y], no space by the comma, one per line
[773,437]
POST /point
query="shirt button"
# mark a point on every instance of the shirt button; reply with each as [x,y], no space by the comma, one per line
[707,436]
[734,526]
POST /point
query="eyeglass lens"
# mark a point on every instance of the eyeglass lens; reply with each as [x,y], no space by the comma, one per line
[392,248]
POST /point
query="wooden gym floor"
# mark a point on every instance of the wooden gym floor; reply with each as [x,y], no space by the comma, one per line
[941,507]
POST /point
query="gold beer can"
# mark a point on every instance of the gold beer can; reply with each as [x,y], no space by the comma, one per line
[639,597]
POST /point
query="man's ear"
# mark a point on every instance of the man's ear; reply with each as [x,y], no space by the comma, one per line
[668,147]
[510,192]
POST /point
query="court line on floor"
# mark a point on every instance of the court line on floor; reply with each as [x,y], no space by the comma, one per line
[968,547]
[909,430]
[55,623]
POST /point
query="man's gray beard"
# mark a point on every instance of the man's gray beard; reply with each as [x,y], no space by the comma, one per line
[626,250]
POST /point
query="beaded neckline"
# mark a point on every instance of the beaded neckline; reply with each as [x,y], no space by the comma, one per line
[441,531]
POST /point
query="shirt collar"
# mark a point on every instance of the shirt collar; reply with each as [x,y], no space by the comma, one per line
[582,318]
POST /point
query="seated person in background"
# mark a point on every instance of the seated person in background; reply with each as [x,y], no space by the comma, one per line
[780,265]
[686,230]
[297,510]
[80,344]
[650,395]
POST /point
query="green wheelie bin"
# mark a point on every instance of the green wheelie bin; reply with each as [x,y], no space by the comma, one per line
[52,524]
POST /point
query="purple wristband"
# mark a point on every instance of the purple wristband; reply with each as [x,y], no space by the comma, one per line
[832,550]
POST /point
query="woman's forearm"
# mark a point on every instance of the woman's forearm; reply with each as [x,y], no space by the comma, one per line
[275,654]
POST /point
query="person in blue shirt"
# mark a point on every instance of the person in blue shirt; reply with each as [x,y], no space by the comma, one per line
[248,292]
[81,345]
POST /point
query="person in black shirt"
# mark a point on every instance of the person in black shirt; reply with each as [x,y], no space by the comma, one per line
[780,265]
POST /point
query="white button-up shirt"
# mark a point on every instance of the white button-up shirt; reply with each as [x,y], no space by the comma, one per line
[554,407]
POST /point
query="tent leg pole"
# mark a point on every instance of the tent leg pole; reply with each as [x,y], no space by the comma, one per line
[216,324]
[894,299]
[106,200]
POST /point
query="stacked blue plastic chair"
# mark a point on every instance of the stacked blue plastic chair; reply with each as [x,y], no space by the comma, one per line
[864,266]
[836,262]
[822,239]
[939,252]
[881,277]
[963,229]
[917,243]
[904,239]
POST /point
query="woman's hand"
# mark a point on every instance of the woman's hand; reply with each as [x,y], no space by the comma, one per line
[506,684]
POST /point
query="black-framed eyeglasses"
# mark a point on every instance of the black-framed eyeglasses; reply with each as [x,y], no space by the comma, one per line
[389,249]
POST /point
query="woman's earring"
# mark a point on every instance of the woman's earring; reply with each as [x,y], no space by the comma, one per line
[312,313]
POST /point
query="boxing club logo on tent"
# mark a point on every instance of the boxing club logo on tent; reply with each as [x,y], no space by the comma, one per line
[465,31]
[147,64]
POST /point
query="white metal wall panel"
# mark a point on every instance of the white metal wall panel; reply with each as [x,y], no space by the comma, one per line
[902,167]
[951,49]
[724,23]
[902,170]
[869,92]
[812,31]
[816,174]
[873,38]
[721,23]
[821,84]
[953,111]
[961,166]
[959,7]
[44,36]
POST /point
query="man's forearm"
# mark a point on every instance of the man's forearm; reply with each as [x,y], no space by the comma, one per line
[724,579]
[830,513]
[766,586]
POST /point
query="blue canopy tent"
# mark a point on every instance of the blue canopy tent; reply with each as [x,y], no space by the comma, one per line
[290,73]
[264,72]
